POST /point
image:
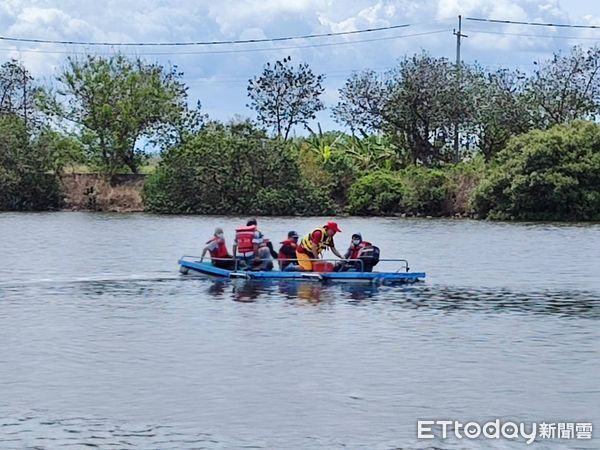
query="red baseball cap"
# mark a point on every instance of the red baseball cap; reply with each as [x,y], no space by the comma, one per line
[333,226]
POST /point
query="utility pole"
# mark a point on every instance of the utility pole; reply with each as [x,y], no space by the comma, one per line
[458,35]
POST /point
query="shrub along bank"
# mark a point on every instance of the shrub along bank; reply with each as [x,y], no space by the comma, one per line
[545,175]
[541,175]
[27,182]
[232,169]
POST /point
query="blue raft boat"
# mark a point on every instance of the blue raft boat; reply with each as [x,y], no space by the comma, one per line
[192,264]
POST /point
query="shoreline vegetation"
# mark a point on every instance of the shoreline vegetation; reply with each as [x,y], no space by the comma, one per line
[427,139]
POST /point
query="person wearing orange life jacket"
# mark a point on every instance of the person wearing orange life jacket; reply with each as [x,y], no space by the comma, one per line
[314,243]
[219,254]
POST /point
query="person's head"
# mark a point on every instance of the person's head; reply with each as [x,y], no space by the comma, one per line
[219,232]
[356,238]
[293,236]
[332,228]
[251,222]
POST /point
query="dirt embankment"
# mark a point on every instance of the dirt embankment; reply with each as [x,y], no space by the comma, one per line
[94,192]
[459,203]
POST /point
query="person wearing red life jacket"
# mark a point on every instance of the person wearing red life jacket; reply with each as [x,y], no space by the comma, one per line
[287,253]
[219,254]
[248,239]
[357,251]
[356,245]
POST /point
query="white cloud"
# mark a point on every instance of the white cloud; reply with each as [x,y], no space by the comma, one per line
[377,15]
[54,23]
[233,15]
[497,9]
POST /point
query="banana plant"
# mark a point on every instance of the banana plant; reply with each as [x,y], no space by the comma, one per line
[323,143]
[372,152]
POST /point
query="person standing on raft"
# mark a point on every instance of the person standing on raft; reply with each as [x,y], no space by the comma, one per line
[314,243]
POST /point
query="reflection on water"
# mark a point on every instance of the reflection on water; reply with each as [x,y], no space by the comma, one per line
[444,298]
[585,304]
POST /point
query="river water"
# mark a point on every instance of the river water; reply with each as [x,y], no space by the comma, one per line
[104,344]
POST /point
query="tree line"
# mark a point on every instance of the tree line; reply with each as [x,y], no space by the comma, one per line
[398,157]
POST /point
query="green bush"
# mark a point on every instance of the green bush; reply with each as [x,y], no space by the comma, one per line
[232,169]
[545,175]
[426,190]
[415,190]
[26,180]
[285,202]
[378,193]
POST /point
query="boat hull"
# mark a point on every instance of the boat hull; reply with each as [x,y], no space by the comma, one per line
[187,266]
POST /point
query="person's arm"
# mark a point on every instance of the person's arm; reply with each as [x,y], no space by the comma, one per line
[210,246]
[274,254]
[283,257]
[335,252]
[207,248]
[258,238]
[314,248]
[348,253]
[314,243]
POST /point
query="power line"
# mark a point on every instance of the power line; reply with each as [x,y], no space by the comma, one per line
[541,24]
[535,35]
[242,41]
[248,50]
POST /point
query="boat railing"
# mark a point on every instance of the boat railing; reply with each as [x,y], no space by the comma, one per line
[404,262]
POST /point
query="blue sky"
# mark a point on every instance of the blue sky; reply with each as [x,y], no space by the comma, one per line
[219,80]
